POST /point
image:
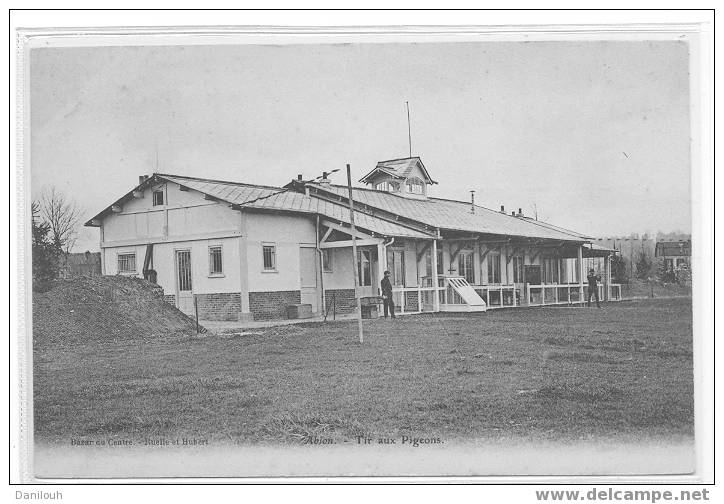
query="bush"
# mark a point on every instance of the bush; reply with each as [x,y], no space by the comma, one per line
[644,266]
[46,254]
[618,270]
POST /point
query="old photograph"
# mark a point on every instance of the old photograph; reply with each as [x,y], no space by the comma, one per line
[270,256]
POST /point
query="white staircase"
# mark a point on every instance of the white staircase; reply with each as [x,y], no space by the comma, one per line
[467,300]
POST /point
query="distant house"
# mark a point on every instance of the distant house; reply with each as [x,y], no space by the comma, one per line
[676,256]
[80,264]
[246,251]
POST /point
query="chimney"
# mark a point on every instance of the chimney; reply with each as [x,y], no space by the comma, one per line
[472,201]
[299,177]
[520,212]
[502,208]
[142,179]
[324,179]
[512,212]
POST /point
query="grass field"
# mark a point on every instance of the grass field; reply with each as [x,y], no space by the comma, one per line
[549,374]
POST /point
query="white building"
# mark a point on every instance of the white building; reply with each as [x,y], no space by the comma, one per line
[246,251]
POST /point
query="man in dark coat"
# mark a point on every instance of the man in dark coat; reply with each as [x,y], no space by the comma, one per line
[389,304]
[593,280]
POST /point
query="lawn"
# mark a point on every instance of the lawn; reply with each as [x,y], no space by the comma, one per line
[547,374]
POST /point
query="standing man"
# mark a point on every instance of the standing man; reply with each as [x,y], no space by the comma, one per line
[389,304]
[593,280]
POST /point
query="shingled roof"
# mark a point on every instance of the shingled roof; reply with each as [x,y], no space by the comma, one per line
[403,217]
[276,199]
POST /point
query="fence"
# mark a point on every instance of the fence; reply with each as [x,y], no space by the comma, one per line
[558,294]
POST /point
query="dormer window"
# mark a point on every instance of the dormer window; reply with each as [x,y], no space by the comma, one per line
[388,186]
[415,186]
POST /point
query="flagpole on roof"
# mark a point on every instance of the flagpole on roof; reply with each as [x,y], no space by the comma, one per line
[409,133]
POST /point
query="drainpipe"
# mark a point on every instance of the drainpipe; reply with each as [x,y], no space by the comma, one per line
[321,271]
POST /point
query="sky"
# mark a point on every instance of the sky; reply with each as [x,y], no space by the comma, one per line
[594,134]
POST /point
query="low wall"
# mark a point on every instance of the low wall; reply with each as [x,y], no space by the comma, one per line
[272,305]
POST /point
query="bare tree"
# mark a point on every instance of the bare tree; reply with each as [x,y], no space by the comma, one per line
[63,215]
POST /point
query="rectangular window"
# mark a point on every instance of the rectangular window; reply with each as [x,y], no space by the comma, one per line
[551,270]
[415,186]
[363,268]
[547,270]
[494,268]
[157,198]
[127,263]
[327,260]
[216,266]
[396,265]
[269,255]
[428,263]
[440,270]
[517,269]
[465,266]
[573,271]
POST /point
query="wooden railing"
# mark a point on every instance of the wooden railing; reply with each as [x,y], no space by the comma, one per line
[423,296]
[499,296]
[496,296]
[554,294]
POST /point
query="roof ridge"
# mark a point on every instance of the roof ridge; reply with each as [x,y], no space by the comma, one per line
[366,189]
[371,189]
[548,225]
[398,159]
[219,181]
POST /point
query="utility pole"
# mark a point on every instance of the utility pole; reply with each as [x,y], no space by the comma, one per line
[354,256]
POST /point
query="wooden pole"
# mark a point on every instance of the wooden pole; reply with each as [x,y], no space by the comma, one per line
[196,310]
[581,290]
[354,255]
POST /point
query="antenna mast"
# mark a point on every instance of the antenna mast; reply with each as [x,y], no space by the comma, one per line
[409,134]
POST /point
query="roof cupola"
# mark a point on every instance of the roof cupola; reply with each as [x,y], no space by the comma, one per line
[407,177]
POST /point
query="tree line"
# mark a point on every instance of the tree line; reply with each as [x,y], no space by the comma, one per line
[644,266]
[55,221]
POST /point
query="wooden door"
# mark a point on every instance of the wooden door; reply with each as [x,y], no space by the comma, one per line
[308,276]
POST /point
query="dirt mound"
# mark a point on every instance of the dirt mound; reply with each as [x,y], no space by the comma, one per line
[105,308]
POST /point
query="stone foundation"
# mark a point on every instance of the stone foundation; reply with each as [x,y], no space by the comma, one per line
[272,305]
